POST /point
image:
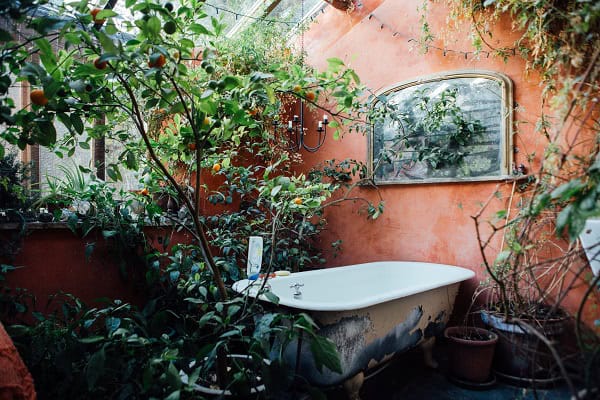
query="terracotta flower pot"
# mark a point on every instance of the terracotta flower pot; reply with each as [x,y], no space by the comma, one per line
[471,353]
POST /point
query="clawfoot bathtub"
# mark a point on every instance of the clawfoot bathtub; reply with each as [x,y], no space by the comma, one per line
[370,311]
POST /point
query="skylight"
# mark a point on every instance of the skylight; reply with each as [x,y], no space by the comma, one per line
[238,14]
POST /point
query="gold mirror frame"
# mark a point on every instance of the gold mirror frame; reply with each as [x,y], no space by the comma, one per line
[506,129]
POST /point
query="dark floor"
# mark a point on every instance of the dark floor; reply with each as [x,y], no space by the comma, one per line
[407,378]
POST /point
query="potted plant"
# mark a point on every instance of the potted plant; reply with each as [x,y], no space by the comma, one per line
[470,354]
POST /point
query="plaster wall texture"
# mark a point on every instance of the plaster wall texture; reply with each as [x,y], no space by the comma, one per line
[421,222]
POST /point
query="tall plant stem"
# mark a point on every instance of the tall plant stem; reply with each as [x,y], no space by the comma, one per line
[200,234]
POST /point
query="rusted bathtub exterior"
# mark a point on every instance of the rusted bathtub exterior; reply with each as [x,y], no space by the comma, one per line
[370,311]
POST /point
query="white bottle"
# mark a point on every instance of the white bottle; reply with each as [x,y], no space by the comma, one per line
[255,250]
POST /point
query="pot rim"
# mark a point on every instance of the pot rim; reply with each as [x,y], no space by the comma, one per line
[449,333]
[550,326]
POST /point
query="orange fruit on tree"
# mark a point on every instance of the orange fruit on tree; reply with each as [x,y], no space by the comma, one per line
[310,96]
[298,201]
[38,97]
[144,192]
[206,121]
[95,12]
[192,146]
[297,88]
[216,167]
[100,64]
[157,61]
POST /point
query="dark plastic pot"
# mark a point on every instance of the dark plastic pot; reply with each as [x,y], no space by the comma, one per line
[471,353]
[522,358]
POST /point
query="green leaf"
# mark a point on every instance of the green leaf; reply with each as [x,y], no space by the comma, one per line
[275,190]
[106,13]
[95,368]
[84,145]
[107,43]
[334,64]
[503,256]
[112,324]
[108,234]
[200,29]
[173,377]
[47,133]
[153,26]
[271,297]
[5,36]
[1,151]
[47,56]
[131,161]
[76,122]
[231,82]
[91,339]
[354,76]
[325,354]
[174,396]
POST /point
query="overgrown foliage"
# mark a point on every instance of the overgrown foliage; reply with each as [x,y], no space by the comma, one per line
[541,261]
[194,113]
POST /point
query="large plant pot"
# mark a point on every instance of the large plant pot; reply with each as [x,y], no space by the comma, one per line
[208,386]
[470,353]
[521,357]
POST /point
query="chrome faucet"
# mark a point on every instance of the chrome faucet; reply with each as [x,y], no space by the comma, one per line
[296,287]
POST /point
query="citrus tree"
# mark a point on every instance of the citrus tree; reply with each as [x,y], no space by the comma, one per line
[86,64]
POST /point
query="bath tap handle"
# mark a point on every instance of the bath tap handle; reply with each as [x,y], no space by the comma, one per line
[296,287]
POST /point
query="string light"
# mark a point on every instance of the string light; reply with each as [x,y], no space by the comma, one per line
[445,51]
[253,17]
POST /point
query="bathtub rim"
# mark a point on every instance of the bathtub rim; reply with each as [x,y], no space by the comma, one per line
[243,285]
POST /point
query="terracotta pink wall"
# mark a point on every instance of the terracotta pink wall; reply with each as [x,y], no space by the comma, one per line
[52,260]
[421,222]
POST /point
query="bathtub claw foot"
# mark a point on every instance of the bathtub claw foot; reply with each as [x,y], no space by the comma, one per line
[353,385]
[427,347]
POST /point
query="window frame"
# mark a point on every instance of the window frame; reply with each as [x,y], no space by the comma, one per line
[506,129]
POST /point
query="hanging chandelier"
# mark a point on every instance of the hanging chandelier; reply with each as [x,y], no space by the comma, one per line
[297,134]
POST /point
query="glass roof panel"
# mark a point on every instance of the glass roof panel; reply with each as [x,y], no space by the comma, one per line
[291,10]
[236,14]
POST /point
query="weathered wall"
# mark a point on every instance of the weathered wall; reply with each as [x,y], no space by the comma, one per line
[422,222]
[52,260]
